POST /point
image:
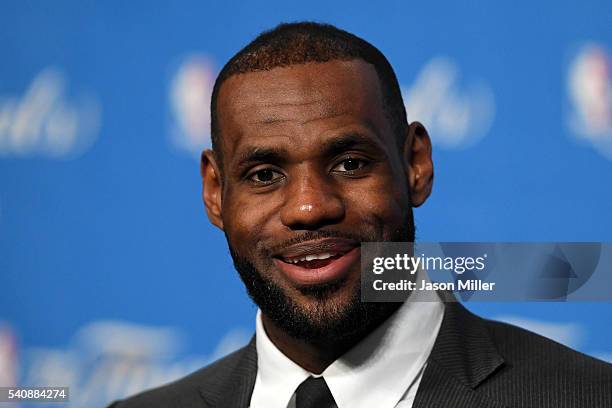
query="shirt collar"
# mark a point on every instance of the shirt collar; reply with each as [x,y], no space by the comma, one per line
[277,375]
[388,361]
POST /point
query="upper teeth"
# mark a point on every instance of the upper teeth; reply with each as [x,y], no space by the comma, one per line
[323,255]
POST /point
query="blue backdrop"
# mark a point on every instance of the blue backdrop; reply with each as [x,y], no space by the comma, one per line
[111,277]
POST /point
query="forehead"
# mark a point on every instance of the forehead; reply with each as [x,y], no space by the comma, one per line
[298,100]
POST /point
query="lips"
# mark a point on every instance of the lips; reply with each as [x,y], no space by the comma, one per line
[317,262]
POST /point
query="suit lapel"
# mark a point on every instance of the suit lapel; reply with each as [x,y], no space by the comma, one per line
[439,389]
[463,356]
[234,389]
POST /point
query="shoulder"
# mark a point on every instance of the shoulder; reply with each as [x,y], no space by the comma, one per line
[187,390]
[542,365]
[520,345]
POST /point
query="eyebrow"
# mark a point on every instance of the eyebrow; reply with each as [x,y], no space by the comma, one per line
[257,154]
[277,155]
[349,141]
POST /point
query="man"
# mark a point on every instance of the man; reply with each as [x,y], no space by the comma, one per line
[313,155]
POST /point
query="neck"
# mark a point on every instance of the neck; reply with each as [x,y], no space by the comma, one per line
[314,357]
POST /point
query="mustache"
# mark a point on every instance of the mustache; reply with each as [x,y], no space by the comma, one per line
[268,250]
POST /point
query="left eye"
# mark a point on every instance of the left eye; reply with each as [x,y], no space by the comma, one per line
[265,176]
[349,165]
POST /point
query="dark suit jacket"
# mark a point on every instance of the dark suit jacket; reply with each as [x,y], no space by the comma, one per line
[474,363]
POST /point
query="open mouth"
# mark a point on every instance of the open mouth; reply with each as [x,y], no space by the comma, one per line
[314,261]
[318,262]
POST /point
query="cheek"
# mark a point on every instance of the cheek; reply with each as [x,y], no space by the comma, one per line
[383,201]
[244,219]
[377,217]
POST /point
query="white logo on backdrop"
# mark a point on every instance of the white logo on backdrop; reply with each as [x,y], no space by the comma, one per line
[43,121]
[190,94]
[589,85]
[108,360]
[455,116]
[8,357]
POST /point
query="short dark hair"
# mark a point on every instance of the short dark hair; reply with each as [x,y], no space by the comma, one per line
[303,42]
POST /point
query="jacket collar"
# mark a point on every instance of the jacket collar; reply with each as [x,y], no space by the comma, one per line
[233,389]
[463,356]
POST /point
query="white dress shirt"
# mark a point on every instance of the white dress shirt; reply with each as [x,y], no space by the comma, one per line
[383,370]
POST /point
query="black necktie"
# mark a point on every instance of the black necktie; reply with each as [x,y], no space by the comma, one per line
[314,393]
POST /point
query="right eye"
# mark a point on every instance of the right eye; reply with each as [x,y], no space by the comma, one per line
[265,176]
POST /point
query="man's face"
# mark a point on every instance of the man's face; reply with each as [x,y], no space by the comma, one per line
[311,168]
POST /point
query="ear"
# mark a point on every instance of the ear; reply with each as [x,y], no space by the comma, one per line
[418,163]
[211,187]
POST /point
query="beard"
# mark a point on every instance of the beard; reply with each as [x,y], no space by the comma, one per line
[325,320]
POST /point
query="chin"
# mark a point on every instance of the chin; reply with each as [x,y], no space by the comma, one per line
[328,304]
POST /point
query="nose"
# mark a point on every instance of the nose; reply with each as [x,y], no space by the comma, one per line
[312,201]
